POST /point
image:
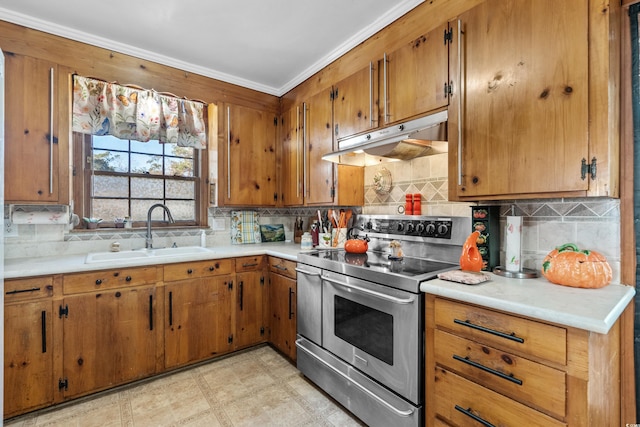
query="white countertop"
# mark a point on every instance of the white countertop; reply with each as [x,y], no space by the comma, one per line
[594,310]
[26,267]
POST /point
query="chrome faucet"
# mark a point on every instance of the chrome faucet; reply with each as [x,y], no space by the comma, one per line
[149,239]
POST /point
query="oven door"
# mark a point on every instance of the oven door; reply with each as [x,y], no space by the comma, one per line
[377,329]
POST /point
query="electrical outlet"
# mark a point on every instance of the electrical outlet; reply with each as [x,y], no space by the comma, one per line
[10,229]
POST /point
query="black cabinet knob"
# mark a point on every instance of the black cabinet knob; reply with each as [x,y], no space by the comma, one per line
[189,271]
[99,282]
[128,278]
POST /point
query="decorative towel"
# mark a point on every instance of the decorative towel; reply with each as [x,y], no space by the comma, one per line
[245,227]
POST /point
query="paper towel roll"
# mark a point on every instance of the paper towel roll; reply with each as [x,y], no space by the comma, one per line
[513,244]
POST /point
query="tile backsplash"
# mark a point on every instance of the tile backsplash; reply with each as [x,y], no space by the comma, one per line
[591,223]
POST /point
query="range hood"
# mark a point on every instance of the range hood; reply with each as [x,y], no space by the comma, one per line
[404,141]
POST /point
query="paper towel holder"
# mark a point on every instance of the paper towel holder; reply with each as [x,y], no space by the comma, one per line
[525,273]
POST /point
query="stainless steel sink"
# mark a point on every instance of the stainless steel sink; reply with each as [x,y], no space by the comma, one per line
[97,257]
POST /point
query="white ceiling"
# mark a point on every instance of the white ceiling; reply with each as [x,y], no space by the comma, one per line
[267,45]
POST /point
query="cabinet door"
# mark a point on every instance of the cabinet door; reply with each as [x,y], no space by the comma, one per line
[249,157]
[197,319]
[109,338]
[250,327]
[282,296]
[355,103]
[28,357]
[292,177]
[319,174]
[30,114]
[416,75]
[520,126]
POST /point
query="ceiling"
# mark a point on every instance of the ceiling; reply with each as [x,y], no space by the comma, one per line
[267,45]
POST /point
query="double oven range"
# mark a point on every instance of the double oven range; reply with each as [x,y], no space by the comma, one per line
[360,317]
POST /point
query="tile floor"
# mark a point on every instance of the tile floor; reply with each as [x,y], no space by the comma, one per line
[257,387]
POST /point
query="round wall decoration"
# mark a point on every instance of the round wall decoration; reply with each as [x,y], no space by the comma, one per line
[382,181]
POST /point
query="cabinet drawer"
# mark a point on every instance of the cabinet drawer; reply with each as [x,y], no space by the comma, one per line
[282,266]
[109,279]
[190,270]
[27,289]
[503,331]
[531,383]
[455,395]
[249,263]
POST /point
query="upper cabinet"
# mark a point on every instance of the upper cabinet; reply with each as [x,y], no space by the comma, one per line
[248,160]
[533,104]
[36,131]
[415,77]
[306,178]
[355,102]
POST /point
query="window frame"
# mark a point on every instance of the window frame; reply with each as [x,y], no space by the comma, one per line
[82,173]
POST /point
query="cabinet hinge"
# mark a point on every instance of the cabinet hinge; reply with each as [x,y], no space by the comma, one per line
[588,169]
[261,330]
[275,121]
[448,89]
[63,311]
[74,171]
[230,339]
[332,192]
[275,197]
[448,35]
[63,384]
[262,281]
[230,285]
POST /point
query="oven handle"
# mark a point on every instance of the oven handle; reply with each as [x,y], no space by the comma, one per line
[372,293]
[307,273]
[355,383]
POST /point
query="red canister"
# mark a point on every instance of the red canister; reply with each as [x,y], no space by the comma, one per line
[417,204]
[408,205]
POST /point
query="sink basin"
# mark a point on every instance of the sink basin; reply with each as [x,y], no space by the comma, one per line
[96,257]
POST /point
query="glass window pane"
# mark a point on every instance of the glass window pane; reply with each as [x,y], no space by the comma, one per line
[174,150]
[109,142]
[182,209]
[110,161]
[139,209]
[147,188]
[151,147]
[110,186]
[109,209]
[144,163]
[180,189]
[178,166]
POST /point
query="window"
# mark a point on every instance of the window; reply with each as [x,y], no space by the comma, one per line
[115,178]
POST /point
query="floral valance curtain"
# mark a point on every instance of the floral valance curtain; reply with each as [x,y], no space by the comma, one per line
[103,108]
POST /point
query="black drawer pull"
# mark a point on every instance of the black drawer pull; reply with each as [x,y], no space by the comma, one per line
[470,414]
[511,336]
[44,331]
[151,312]
[280,267]
[212,268]
[21,291]
[170,308]
[247,264]
[487,369]
[189,271]
[128,278]
[99,282]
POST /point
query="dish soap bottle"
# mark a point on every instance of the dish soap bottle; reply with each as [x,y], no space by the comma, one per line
[203,239]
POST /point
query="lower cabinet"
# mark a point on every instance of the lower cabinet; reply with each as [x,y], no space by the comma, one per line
[28,345]
[282,296]
[252,298]
[493,368]
[110,329]
[198,307]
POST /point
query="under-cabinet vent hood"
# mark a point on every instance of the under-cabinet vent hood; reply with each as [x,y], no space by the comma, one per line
[404,141]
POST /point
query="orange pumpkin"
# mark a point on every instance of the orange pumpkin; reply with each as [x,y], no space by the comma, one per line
[569,266]
[471,259]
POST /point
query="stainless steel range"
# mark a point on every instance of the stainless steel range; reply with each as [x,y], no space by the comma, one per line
[361,316]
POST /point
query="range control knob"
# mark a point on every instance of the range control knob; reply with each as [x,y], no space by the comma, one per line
[431,229]
[443,229]
[400,226]
[421,228]
[368,225]
[410,228]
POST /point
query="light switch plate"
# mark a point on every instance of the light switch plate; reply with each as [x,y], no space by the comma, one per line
[10,229]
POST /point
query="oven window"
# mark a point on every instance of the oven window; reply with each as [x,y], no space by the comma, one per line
[368,329]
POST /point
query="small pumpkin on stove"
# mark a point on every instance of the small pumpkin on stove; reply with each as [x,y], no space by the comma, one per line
[356,246]
[569,266]
[471,259]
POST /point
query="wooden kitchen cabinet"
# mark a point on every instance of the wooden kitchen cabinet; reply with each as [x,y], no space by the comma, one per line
[28,345]
[306,178]
[111,320]
[282,299]
[355,102]
[248,157]
[198,310]
[534,98]
[36,134]
[251,314]
[416,76]
[507,369]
